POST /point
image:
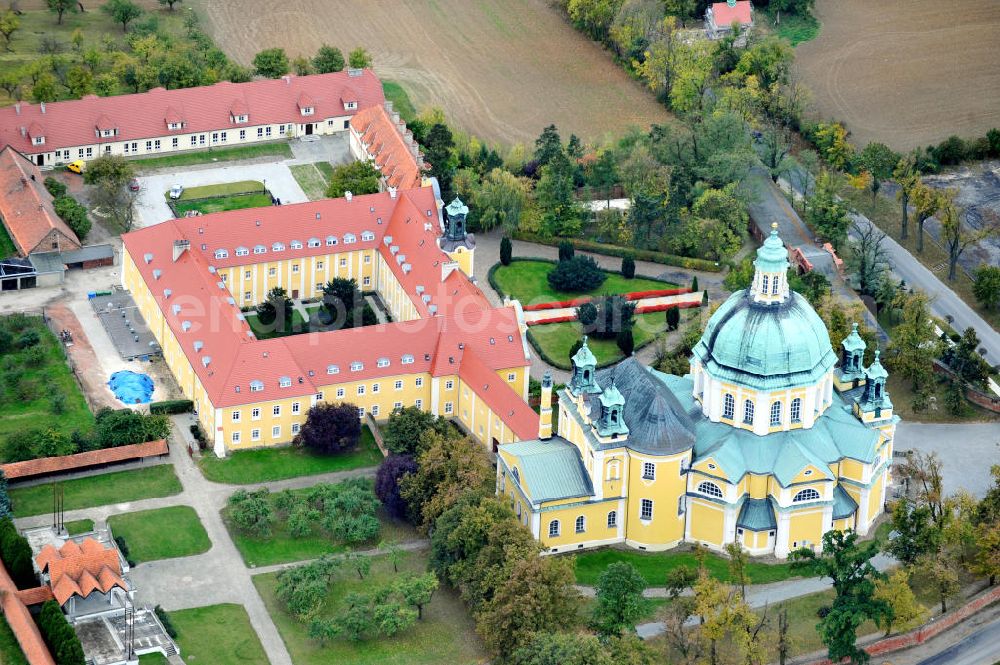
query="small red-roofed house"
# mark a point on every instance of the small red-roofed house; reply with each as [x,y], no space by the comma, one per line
[720,17]
[84,576]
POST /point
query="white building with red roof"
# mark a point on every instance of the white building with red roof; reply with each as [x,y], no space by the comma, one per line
[447,349]
[720,17]
[164,121]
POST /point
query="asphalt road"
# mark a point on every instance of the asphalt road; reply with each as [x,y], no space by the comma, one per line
[980,648]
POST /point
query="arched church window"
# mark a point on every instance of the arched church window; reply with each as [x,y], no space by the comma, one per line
[554,528]
[711,489]
[586,375]
[728,406]
[775,414]
[614,470]
[581,524]
[748,412]
[612,519]
[796,410]
[808,494]
[764,282]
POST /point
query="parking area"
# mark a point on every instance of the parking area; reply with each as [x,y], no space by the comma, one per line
[152,207]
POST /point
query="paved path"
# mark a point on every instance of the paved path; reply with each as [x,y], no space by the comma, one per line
[979,648]
[217,576]
[409,546]
[967,451]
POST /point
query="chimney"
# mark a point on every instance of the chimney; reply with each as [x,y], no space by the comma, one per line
[24,131]
[42,107]
[348,195]
[287,80]
[181,246]
[545,410]
[392,192]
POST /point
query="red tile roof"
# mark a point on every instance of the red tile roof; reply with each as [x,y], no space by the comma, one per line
[141,116]
[385,143]
[724,15]
[19,619]
[26,206]
[81,569]
[36,596]
[197,307]
[45,465]
[500,397]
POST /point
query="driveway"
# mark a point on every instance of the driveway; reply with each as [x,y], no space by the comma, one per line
[152,207]
[966,451]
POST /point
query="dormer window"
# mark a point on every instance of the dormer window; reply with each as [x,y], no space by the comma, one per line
[37,140]
[331,241]
[407,359]
[307,110]
[240,119]
[256,386]
[296,244]
[285,382]
[221,253]
[259,249]
[357,366]
[367,236]
[278,247]
[242,251]
[314,242]
[350,238]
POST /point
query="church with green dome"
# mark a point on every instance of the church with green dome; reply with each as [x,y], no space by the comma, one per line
[771,440]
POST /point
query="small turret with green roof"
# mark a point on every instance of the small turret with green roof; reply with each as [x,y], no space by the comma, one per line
[875,398]
[852,356]
[584,379]
[612,424]
[457,213]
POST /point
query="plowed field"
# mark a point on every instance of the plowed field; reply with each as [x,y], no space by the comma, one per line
[906,72]
[501,69]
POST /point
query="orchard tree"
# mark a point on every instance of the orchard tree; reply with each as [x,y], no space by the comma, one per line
[328,59]
[619,602]
[271,63]
[393,469]
[60,7]
[417,590]
[122,11]
[252,512]
[330,428]
[9,24]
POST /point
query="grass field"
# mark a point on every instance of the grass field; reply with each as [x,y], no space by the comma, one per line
[796,29]
[396,93]
[79,526]
[876,79]
[119,487]
[528,282]
[244,467]
[217,635]
[164,533]
[500,69]
[445,635]
[215,155]
[155,658]
[223,189]
[7,247]
[264,331]
[310,179]
[654,566]
[223,203]
[45,375]
[556,339]
[10,650]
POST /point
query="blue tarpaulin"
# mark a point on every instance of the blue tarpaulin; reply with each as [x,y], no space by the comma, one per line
[131,387]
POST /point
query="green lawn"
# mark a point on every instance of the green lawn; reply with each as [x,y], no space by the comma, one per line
[280,149]
[10,650]
[165,533]
[43,377]
[528,282]
[223,189]
[7,248]
[796,29]
[119,487]
[556,339]
[263,331]
[654,566]
[223,203]
[79,526]
[326,169]
[155,658]
[244,467]
[395,93]
[310,179]
[446,634]
[217,635]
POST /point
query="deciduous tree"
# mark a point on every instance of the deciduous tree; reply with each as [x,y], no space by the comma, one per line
[252,512]
[958,237]
[60,7]
[942,573]
[908,178]
[828,214]
[619,602]
[986,286]
[360,177]
[879,160]
[328,59]
[359,58]
[404,430]
[271,63]
[9,24]
[122,11]
[417,590]
[905,611]
[330,428]
[390,472]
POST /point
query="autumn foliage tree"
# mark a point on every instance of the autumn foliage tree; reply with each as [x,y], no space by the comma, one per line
[330,428]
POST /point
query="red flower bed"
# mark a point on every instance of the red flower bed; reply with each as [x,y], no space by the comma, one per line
[646,309]
[634,295]
[553,319]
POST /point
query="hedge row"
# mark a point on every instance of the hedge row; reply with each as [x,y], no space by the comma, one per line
[171,406]
[59,635]
[565,363]
[16,555]
[622,252]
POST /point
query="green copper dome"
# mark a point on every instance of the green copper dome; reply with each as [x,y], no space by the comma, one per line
[766,346]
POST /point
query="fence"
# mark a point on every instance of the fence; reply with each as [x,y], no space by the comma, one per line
[974,395]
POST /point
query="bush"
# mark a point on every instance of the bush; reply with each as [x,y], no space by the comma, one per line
[59,635]
[628,267]
[625,341]
[74,214]
[124,549]
[506,251]
[164,618]
[616,250]
[586,314]
[123,427]
[171,406]
[16,555]
[578,274]
[28,339]
[950,151]
[566,250]
[55,187]
[330,428]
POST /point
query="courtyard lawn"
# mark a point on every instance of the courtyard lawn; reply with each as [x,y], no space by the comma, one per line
[556,339]
[223,189]
[396,93]
[244,467]
[278,150]
[310,179]
[654,566]
[326,169]
[222,197]
[446,634]
[100,490]
[10,650]
[217,635]
[528,282]
[7,247]
[79,526]
[165,533]
[40,376]
[263,331]
[155,658]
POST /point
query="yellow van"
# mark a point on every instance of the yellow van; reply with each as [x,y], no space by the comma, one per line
[76,167]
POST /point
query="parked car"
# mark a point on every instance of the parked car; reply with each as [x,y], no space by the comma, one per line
[176,191]
[76,167]
[133,184]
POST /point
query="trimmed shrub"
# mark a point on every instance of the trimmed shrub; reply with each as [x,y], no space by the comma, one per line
[16,555]
[566,250]
[586,314]
[628,267]
[616,250]
[171,406]
[506,251]
[694,283]
[55,187]
[164,618]
[123,548]
[577,274]
[59,635]
[625,341]
[673,318]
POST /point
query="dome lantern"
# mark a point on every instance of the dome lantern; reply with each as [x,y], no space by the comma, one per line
[584,379]
[770,280]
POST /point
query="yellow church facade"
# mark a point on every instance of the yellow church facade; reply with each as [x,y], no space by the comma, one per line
[767,442]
